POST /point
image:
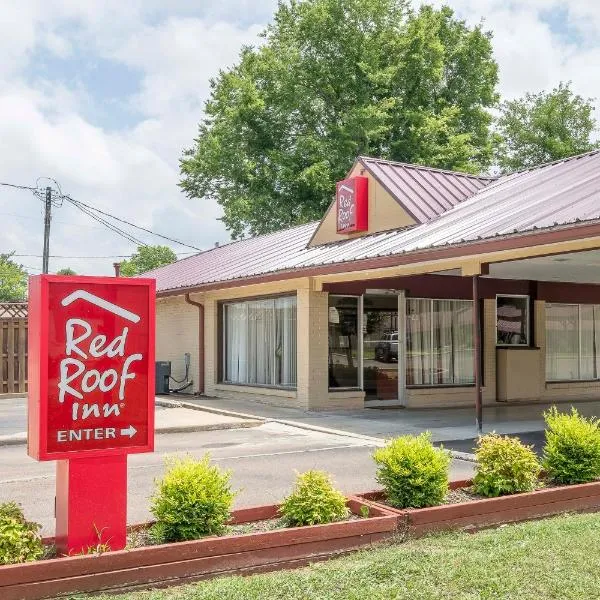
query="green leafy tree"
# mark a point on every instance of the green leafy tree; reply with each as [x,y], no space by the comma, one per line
[66,271]
[147,258]
[540,128]
[334,79]
[13,280]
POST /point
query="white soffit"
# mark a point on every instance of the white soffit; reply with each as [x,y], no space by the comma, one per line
[575,267]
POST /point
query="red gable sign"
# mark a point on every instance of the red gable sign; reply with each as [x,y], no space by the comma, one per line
[352,205]
[91,366]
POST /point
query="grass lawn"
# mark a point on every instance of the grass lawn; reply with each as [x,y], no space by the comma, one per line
[555,558]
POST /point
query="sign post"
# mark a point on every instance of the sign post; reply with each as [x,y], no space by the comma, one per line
[91,397]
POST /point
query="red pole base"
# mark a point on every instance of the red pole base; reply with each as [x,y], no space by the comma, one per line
[91,504]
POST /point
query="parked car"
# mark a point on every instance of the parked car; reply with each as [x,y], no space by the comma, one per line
[386,349]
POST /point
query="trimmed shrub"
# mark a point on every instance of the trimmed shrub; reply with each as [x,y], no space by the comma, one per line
[313,501]
[504,466]
[412,471]
[572,450]
[192,500]
[19,539]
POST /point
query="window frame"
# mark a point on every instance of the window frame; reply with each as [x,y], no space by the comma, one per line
[527,299]
[222,339]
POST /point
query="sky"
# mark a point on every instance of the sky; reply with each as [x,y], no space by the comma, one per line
[103,96]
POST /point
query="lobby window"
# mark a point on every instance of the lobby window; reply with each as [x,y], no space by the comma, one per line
[259,342]
[572,342]
[439,342]
[344,357]
[512,320]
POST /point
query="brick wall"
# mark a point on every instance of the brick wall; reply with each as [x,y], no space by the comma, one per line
[177,333]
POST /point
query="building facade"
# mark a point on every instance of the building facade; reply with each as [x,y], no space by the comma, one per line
[419,287]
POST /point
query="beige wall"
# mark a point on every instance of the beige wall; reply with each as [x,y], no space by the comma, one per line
[177,333]
[384,213]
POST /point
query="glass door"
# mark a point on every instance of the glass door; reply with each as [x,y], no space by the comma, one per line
[383,347]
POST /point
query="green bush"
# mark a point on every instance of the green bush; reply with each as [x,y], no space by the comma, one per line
[572,450]
[313,501]
[412,471]
[19,539]
[504,466]
[192,500]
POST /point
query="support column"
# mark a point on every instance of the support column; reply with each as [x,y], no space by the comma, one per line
[91,503]
[477,355]
[312,377]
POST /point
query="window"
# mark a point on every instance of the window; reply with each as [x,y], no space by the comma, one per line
[259,342]
[344,355]
[439,342]
[512,320]
[572,342]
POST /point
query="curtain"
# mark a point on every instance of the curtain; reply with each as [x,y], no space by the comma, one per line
[439,342]
[260,342]
[572,342]
[562,342]
[418,342]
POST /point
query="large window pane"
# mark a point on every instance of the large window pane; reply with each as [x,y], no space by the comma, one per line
[439,342]
[343,342]
[452,342]
[562,341]
[572,342]
[260,342]
[418,342]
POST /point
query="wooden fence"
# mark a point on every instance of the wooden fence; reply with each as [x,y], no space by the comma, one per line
[13,348]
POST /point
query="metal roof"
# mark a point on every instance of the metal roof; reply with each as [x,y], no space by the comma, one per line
[424,192]
[557,194]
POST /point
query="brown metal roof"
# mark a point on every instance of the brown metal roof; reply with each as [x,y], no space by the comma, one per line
[424,192]
[548,197]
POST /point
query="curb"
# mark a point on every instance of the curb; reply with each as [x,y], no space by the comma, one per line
[374,440]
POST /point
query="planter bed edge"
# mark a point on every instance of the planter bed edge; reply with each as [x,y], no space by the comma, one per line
[493,511]
[197,559]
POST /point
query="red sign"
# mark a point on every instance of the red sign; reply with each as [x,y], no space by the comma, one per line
[352,205]
[91,366]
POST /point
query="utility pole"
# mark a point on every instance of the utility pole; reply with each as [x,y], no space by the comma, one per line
[47,216]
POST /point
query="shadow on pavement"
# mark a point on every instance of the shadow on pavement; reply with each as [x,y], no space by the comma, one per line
[531,438]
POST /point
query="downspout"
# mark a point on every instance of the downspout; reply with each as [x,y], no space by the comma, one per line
[200,342]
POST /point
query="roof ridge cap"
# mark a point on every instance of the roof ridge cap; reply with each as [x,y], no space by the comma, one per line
[427,168]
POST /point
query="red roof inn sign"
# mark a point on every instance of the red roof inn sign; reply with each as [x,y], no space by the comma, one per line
[352,205]
[91,388]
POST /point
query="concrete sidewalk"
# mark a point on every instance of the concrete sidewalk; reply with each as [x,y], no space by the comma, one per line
[168,419]
[445,424]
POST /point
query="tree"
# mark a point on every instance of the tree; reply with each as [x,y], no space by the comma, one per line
[66,271]
[13,280]
[147,258]
[540,128]
[335,79]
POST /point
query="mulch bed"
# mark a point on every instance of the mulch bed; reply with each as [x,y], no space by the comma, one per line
[142,536]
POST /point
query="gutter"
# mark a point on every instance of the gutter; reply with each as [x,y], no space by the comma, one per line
[200,342]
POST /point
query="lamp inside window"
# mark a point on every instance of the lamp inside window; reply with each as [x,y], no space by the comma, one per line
[512,320]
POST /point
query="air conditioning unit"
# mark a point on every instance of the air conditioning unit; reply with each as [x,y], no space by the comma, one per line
[162,373]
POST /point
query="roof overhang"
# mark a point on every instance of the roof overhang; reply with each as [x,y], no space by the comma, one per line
[467,256]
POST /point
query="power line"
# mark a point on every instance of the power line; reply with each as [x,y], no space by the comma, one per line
[107,224]
[94,213]
[79,204]
[19,187]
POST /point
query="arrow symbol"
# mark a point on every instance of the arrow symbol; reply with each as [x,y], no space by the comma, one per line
[130,431]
